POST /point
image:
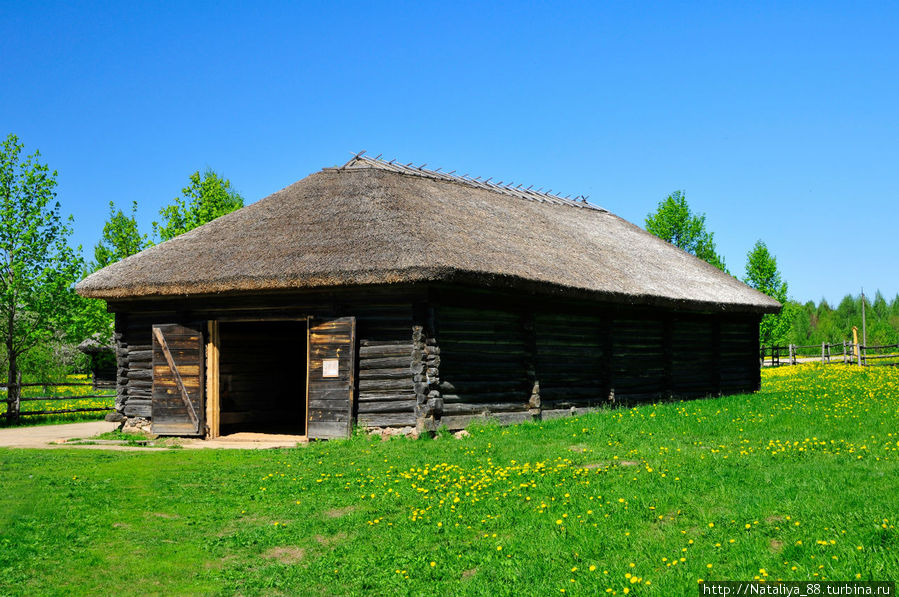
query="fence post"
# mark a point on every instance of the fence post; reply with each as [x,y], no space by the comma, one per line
[822,353]
[792,354]
[844,352]
[858,354]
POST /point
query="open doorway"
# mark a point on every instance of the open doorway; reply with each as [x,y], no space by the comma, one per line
[262,377]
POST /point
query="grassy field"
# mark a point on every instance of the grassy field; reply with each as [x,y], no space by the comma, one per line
[799,481]
[75,399]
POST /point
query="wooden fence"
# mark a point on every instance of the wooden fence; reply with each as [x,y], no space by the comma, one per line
[14,398]
[846,353]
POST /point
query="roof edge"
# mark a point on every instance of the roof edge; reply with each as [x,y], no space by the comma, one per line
[408,276]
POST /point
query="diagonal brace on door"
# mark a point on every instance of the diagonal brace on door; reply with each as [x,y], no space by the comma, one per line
[181,389]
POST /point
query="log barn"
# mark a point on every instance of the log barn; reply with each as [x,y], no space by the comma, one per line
[382,295]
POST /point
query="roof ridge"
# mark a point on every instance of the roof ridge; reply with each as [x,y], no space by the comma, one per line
[360,161]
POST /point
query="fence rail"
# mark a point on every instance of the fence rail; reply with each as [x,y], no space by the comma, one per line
[846,353]
[14,398]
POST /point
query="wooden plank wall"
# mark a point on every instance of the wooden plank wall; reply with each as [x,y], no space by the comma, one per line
[693,357]
[483,365]
[638,364]
[572,366]
[178,407]
[386,390]
[498,363]
[331,398]
[740,371]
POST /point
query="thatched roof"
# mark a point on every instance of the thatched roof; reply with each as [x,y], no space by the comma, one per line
[374,222]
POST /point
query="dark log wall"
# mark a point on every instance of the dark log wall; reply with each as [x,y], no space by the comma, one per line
[483,364]
[739,363]
[543,361]
[572,366]
[693,357]
[386,388]
[439,356]
[638,364]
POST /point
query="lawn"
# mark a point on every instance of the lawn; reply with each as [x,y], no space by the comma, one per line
[799,481]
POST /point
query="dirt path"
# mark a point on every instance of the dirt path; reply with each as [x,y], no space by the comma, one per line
[55,436]
[40,436]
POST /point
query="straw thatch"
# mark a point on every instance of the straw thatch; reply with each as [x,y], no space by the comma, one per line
[370,222]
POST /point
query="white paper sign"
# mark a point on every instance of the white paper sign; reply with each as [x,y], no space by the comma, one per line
[330,367]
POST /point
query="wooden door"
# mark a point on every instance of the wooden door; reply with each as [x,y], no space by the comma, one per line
[178,402]
[331,377]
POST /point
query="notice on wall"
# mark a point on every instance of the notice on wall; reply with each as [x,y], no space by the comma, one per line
[330,367]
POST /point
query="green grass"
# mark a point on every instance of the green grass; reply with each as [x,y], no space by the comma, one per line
[796,482]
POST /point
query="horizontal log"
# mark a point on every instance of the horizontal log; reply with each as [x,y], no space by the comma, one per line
[551,393]
[384,397]
[450,408]
[393,406]
[363,342]
[386,419]
[141,374]
[397,373]
[456,387]
[388,350]
[385,384]
[472,398]
[385,363]
[136,407]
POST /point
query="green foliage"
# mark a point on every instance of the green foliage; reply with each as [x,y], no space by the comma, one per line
[121,238]
[763,275]
[39,267]
[200,202]
[676,223]
[814,324]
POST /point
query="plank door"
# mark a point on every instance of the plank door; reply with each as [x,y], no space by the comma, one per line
[178,402]
[332,363]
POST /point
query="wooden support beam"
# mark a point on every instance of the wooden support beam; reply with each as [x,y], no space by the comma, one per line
[213,403]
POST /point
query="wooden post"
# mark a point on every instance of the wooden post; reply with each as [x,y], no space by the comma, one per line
[822,352]
[792,354]
[858,354]
[844,352]
[213,405]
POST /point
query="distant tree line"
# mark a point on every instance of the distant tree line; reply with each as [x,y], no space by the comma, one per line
[816,323]
[42,319]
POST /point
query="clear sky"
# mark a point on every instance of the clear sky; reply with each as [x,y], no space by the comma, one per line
[779,120]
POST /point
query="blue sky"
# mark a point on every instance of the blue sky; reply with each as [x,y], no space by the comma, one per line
[780,120]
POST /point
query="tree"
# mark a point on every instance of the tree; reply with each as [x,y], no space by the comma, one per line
[676,223]
[39,267]
[203,200]
[763,275]
[121,238]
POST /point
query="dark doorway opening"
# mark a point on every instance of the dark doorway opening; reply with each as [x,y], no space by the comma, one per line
[262,377]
